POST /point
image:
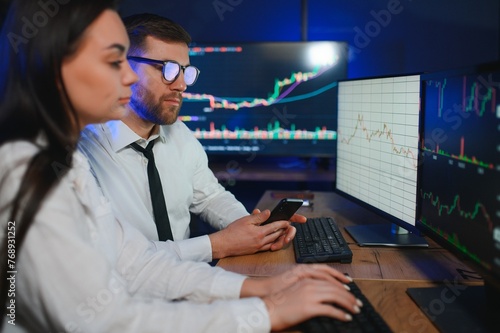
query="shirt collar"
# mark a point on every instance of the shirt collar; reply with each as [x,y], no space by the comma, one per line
[120,135]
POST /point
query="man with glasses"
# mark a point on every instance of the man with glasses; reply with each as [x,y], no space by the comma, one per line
[127,157]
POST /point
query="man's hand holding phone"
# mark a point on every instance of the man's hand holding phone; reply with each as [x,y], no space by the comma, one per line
[285,211]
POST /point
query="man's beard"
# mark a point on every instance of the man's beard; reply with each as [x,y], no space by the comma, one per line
[146,107]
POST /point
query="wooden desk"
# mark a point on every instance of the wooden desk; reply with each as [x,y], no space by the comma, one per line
[382,273]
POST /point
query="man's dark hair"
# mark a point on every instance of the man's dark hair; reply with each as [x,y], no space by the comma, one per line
[140,26]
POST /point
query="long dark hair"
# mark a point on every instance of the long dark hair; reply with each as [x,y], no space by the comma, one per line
[35,39]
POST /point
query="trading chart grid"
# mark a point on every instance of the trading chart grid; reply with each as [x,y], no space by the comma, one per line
[377,145]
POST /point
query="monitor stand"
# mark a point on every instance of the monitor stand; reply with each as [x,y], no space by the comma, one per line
[385,235]
[459,308]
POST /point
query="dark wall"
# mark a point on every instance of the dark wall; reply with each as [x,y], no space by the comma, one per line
[386,36]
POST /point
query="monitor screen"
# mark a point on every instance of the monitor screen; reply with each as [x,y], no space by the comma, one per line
[377,145]
[266,98]
[459,191]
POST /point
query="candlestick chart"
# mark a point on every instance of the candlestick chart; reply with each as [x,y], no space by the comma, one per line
[459,191]
[455,107]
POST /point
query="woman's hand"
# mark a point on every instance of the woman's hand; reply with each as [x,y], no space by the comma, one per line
[303,292]
[310,298]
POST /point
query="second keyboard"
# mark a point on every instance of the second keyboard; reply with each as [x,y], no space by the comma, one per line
[320,240]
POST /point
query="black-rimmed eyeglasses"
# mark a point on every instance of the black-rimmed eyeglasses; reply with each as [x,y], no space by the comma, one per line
[172,69]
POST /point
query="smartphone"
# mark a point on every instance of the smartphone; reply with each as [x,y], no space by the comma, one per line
[284,210]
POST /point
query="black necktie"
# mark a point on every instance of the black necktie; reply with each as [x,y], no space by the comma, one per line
[157,198]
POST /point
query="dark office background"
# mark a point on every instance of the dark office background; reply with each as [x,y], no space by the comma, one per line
[386,36]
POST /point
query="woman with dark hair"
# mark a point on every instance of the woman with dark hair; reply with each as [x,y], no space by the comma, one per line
[67,264]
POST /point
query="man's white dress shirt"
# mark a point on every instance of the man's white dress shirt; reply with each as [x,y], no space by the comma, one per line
[188,183]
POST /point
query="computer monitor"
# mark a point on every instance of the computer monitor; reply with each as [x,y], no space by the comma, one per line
[377,155]
[265,98]
[459,191]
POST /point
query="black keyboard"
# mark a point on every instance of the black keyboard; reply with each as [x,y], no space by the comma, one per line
[368,320]
[320,240]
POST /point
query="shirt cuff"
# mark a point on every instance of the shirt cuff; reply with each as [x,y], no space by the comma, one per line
[228,284]
[251,315]
[195,249]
